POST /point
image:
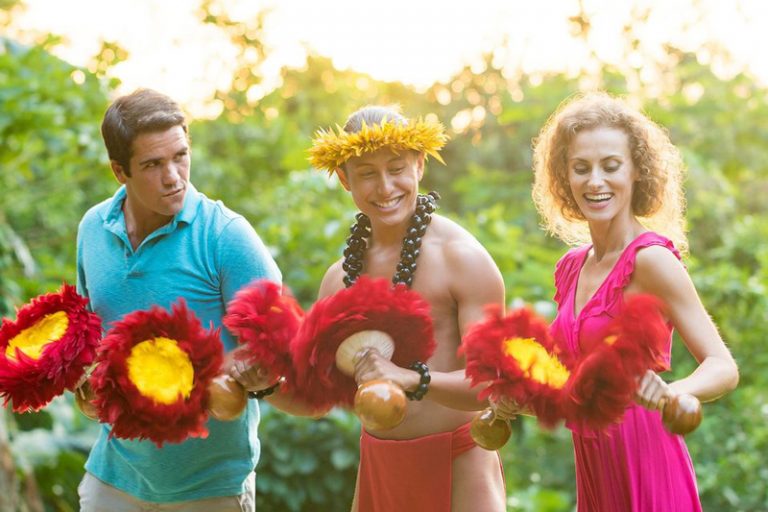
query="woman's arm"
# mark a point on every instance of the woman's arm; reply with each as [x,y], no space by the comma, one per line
[658,272]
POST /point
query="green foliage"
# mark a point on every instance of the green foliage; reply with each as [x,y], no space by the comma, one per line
[305,219]
[307,465]
[52,168]
[59,478]
[54,443]
[52,165]
[538,466]
[727,449]
[302,217]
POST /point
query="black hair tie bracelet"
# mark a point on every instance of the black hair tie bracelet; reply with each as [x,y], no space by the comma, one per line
[258,395]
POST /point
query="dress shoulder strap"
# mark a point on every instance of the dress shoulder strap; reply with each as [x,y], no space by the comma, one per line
[624,268]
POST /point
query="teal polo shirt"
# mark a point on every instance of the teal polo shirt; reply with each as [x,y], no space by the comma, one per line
[204,254]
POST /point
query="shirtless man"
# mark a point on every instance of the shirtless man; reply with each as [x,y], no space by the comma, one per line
[429,462]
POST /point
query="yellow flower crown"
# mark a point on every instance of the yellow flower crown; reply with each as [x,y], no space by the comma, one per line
[330,149]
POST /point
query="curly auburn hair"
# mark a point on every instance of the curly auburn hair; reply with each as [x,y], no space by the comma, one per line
[658,200]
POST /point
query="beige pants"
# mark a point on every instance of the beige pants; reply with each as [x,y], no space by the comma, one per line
[96,496]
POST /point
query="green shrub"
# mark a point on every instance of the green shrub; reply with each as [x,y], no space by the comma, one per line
[307,465]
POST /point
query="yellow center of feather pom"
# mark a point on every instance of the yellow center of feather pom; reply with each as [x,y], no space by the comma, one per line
[160,370]
[32,340]
[536,362]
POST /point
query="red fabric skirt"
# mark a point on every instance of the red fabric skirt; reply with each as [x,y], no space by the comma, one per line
[411,474]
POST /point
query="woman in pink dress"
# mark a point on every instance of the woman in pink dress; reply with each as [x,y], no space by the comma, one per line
[608,180]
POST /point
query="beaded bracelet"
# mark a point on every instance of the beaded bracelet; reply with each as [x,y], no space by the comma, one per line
[258,395]
[423,386]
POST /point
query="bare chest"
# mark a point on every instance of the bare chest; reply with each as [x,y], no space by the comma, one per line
[433,284]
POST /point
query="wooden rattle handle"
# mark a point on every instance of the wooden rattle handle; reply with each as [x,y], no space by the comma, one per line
[226,398]
[84,396]
[380,404]
[681,414]
[489,431]
[357,344]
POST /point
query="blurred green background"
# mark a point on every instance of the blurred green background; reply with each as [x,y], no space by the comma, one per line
[253,156]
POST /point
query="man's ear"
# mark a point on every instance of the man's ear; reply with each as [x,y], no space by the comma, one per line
[118,171]
[342,178]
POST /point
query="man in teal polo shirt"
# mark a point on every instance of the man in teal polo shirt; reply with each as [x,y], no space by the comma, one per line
[156,240]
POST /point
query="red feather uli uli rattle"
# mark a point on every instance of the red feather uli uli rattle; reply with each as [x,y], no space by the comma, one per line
[47,349]
[369,315]
[515,357]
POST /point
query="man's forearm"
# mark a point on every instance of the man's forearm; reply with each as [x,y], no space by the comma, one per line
[452,389]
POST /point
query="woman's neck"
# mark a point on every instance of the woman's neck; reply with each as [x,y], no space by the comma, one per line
[613,236]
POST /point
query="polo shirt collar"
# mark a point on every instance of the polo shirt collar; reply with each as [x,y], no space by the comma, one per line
[192,200]
[113,215]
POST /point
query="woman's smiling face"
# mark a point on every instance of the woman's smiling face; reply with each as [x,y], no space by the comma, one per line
[601,174]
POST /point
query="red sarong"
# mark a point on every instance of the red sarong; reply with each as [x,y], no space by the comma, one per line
[411,475]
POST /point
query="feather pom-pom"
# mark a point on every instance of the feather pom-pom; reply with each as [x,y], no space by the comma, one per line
[516,358]
[47,348]
[642,334]
[265,320]
[152,375]
[605,379]
[600,389]
[369,304]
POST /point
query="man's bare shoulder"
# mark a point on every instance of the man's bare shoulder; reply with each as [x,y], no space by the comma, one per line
[456,242]
[468,271]
[333,280]
[465,259]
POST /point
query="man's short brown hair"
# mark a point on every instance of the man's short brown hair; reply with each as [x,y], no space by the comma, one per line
[142,111]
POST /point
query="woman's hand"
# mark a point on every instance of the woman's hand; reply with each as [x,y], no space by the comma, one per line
[653,392]
[504,408]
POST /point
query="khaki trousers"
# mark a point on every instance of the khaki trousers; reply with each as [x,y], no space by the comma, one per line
[96,496]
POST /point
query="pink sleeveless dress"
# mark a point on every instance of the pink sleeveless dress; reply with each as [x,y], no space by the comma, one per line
[635,465]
